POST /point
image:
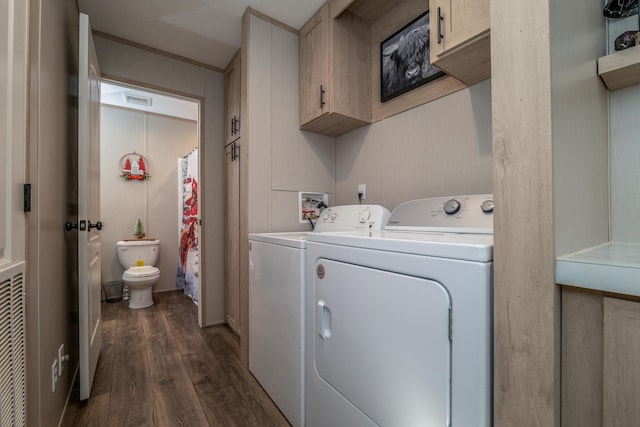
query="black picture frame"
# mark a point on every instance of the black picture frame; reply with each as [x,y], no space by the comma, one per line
[400,54]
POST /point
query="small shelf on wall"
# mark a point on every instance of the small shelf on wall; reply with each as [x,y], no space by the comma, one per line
[620,69]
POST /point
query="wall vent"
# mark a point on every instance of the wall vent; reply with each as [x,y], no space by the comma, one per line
[137,99]
[12,347]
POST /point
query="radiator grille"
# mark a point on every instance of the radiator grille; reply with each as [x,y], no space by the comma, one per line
[12,348]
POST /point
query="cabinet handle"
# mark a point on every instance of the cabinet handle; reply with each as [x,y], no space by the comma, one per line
[323,320]
[234,125]
[321,97]
[235,152]
[439,30]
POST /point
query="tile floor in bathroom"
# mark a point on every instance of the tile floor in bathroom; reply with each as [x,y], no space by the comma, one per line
[157,367]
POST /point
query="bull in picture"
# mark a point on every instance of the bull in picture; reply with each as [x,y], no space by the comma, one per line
[405,59]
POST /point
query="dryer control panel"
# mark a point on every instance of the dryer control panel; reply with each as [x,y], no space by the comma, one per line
[454,214]
[352,217]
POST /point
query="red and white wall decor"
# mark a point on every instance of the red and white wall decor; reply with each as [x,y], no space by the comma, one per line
[134,166]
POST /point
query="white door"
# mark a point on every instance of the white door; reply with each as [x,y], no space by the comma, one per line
[88,208]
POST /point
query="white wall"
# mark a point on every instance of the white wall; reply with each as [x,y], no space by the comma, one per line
[126,63]
[624,150]
[580,126]
[162,140]
[437,149]
[283,159]
[625,172]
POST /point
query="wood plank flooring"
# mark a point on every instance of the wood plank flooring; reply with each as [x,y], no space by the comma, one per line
[158,368]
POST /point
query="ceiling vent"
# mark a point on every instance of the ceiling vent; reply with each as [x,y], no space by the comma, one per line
[137,99]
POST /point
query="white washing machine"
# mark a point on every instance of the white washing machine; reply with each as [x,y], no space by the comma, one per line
[399,322]
[276,303]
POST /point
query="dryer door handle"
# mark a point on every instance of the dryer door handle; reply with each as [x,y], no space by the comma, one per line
[323,320]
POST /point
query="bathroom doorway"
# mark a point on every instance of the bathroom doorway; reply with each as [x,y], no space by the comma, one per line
[145,137]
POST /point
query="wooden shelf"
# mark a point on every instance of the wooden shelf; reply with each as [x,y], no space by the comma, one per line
[620,69]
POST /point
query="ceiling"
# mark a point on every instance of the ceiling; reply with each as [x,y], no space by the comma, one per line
[206,31]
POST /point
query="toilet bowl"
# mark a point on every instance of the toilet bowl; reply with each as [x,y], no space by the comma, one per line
[139,257]
[140,281]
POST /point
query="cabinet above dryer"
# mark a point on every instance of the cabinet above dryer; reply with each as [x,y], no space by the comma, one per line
[340,62]
[460,43]
[334,73]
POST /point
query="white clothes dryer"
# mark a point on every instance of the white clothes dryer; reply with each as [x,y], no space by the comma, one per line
[399,322]
[276,303]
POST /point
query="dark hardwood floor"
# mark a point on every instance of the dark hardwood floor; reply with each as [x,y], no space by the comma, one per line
[158,368]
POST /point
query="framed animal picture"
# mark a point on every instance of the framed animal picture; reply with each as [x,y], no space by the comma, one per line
[404,59]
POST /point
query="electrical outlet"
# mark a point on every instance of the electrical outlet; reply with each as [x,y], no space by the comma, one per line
[54,375]
[61,358]
[362,189]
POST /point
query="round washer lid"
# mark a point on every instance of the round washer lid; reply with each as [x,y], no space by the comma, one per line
[143,271]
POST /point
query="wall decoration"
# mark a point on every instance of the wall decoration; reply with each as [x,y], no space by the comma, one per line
[134,166]
[404,59]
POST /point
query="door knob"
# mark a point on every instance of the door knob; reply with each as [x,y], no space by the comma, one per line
[97,225]
[69,226]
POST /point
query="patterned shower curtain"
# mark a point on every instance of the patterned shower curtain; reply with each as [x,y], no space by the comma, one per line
[188,257]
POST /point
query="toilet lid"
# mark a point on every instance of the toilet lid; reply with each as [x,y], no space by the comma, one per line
[143,271]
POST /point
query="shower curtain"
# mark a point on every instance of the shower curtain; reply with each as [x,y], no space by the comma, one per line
[188,272]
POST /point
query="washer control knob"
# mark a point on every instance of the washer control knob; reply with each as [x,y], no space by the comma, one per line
[487,206]
[364,216]
[325,216]
[451,206]
[333,217]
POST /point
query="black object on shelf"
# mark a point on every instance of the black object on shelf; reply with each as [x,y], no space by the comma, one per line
[626,40]
[620,8]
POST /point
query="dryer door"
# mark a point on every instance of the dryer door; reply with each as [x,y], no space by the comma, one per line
[381,340]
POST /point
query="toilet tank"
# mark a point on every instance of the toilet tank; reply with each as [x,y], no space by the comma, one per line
[130,251]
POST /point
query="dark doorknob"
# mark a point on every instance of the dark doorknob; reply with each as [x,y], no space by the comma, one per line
[69,226]
[97,225]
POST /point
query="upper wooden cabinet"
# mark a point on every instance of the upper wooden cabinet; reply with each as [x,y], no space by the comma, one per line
[334,73]
[232,100]
[459,38]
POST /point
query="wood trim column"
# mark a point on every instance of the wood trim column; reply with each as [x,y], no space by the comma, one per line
[526,298]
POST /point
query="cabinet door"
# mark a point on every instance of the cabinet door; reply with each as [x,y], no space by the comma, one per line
[314,66]
[460,21]
[232,236]
[232,100]
[621,363]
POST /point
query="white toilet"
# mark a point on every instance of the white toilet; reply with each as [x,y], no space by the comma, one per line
[139,257]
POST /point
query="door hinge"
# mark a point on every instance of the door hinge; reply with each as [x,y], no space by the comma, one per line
[27,198]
